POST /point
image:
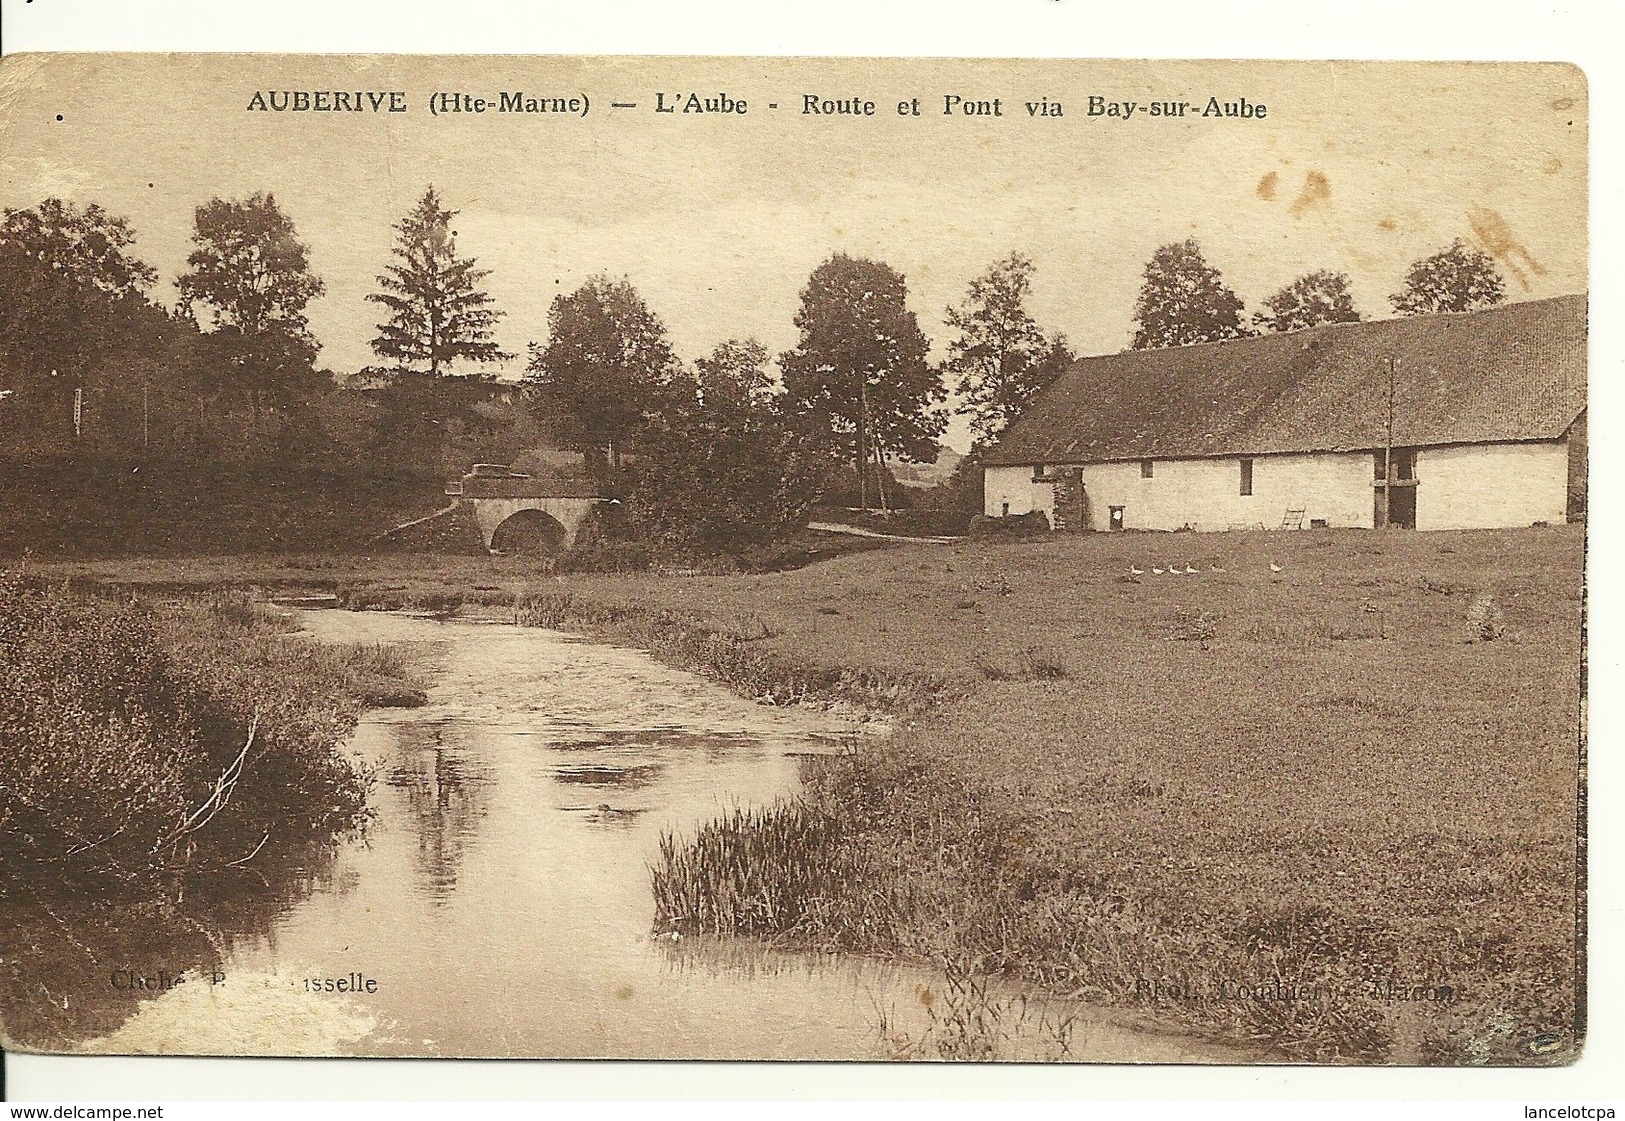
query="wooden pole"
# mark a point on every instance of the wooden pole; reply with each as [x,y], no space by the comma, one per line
[863,440]
[880,473]
[1388,456]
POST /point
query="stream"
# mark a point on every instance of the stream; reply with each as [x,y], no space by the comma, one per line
[500,905]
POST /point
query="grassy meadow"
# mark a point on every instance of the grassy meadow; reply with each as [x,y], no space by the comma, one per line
[1332,808]
[1358,774]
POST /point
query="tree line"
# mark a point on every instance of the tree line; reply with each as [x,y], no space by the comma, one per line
[1185,300]
[708,454]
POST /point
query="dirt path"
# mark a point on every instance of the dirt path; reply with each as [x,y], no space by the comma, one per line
[859,531]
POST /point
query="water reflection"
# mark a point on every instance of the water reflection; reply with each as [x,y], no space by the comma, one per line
[75,968]
[633,777]
[649,738]
[443,788]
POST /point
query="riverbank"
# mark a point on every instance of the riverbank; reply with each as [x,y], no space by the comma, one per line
[1319,793]
[147,742]
[171,769]
[1331,808]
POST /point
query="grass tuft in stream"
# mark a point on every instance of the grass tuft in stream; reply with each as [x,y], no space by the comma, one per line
[790,871]
[970,1020]
[767,871]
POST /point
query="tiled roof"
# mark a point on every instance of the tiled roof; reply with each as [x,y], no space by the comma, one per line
[1516,372]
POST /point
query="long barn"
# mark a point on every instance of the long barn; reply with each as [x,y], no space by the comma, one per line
[1475,420]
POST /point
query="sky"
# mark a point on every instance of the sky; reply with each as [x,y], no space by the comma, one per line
[719,218]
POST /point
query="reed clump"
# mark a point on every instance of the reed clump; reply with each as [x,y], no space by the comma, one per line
[771,871]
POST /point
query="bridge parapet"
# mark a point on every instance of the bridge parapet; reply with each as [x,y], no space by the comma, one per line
[496,493]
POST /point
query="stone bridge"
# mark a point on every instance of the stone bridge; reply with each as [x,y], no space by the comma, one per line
[542,515]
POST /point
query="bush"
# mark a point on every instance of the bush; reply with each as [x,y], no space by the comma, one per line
[140,744]
[1012,526]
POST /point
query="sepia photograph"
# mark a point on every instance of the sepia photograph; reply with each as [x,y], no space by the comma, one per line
[867,559]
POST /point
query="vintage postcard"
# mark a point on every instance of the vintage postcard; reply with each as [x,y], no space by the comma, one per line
[747,558]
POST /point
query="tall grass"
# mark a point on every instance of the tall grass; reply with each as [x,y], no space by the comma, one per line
[142,743]
[767,871]
[791,872]
[735,656]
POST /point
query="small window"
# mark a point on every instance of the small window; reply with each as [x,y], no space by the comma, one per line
[1145,468]
[1246,476]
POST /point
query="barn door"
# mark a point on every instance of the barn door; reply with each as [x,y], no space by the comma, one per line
[1402,507]
[1394,490]
[1399,510]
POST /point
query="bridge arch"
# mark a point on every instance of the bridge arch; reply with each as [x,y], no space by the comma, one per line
[530,532]
[570,513]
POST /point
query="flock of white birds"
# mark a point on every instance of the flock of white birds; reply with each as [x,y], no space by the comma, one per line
[1136,571]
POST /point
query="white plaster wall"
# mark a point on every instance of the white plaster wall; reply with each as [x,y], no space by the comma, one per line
[1206,493]
[1487,486]
[1015,485]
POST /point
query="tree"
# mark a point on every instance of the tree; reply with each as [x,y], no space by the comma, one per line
[721,468]
[249,270]
[437,314]
[75,326]
[605,369]
[734,376]
[422,424]
[860,366]
[1312,299]
[1001,356]
[248,283]
[1184,300]
[66,281]
[1456,278]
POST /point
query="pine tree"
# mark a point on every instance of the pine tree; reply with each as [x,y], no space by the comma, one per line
[437,313]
